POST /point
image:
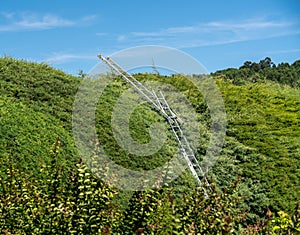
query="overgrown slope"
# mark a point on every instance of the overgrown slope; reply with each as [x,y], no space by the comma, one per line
[35,106]
[262,146]
[266,117]
[40,87]
[27,136]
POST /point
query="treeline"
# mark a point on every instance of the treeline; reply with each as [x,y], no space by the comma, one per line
[265,69]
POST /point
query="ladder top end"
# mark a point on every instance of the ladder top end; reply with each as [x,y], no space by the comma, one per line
[102,57]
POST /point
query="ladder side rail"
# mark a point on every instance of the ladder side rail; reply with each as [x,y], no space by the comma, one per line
[152,100]
[183,150]
[125,72]
[188,160]
[135,81]
[194,172]
[193,166]
[190,149]
[162,110]
[197,165]
[130,82]
[173,115]
[181,133]
[189,157]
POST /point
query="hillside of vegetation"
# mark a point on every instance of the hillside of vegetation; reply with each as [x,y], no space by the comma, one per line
[263,107]
[45,188]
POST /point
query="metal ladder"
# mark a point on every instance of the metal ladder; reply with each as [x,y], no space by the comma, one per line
[161,105]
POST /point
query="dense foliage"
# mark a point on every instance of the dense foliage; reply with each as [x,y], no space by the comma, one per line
[39,87]
[46,189]
[266,117]
[283,73]
[82,204]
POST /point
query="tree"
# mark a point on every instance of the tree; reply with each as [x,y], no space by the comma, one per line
[247,64]
[255,66]
[265,63]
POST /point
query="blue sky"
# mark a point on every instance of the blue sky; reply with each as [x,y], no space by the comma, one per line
[220,34]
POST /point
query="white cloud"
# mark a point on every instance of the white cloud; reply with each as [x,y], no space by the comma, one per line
[101,34]
[44,22]
[30,21]
[252,24]
[7,15]
[121,38]
[186,29]
[284,51]
[88,19]
[213,33]
[62,58]
[146,34]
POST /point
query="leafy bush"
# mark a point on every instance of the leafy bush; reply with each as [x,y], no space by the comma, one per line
[77,204]
[27,136]
[283,223]
[82,204]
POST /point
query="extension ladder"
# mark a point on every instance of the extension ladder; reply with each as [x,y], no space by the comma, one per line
[161,105]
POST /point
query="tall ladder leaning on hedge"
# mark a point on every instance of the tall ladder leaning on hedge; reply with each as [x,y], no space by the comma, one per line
[159,102]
